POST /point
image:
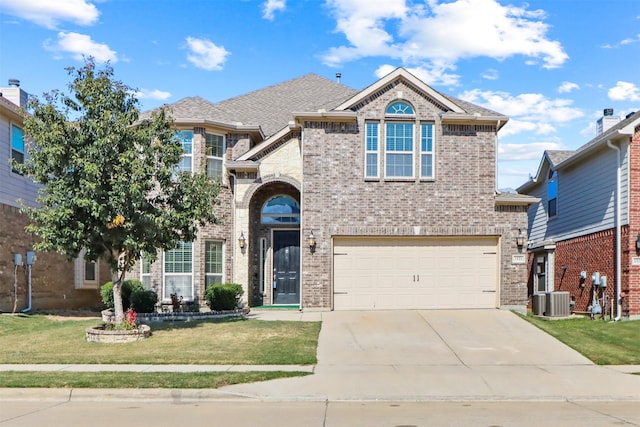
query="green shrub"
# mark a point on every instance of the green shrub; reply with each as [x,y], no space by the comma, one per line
[143,300]
[223,296]
[106,292]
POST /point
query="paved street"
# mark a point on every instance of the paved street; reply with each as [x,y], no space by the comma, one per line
[319,414]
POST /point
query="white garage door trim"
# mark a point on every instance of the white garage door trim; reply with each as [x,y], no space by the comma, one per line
[378,273]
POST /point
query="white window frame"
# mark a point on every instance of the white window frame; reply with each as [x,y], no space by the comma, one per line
[367,152]
[145,274]
[210,157]
[426,152]
[388,152]
[187,146]
[166,293]
[207,274]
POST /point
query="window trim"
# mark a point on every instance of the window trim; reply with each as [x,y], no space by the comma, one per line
[387,152]
[222,263]
[221,158]
[427,152]
[165,274]
[368,152]
[186,154]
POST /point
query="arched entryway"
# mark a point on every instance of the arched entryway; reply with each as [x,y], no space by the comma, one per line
[274,270]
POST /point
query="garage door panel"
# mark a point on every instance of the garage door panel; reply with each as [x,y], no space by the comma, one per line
[431,273]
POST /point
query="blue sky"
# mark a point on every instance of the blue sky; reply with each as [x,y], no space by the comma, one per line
[552,66]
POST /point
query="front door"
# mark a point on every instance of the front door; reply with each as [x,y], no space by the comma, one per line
[286,267]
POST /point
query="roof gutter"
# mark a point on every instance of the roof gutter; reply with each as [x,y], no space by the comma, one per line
[618,232]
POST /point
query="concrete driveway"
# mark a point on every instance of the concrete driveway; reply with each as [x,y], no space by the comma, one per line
[443,355]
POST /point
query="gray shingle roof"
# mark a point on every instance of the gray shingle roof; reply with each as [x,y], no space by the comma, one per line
[270,107]
[559,156]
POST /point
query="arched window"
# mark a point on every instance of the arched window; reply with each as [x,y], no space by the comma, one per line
[281,210]
[400,108]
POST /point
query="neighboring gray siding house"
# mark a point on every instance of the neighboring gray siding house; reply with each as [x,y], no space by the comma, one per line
[56,283]
[333,198]
[588,220]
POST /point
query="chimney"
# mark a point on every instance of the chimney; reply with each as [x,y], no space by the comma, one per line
[338,76]
[14,94]
[607,121]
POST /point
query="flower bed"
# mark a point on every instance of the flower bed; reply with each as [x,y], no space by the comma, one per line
[100,334]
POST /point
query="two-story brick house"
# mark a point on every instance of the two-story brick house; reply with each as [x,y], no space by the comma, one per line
[55,283]
[333,198]
[586,225]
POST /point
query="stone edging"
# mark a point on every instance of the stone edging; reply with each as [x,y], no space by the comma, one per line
[99,334]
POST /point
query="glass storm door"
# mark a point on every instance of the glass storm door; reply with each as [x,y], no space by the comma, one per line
[286,267]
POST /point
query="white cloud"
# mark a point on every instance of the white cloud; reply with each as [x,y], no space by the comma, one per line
[205,54]
[567,87]
[530,151]
[624,91]
[491,74]
[434,36]
[531,112]
[80,46]
[271,6]
[430,76]
[49,13]
[152,94]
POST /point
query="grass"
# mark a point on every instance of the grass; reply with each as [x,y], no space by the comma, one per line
[602,342]
[136,379]
[48,339]
[42,339]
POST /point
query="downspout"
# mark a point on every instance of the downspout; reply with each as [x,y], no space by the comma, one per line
[28,309]
[618,232]
[302,237]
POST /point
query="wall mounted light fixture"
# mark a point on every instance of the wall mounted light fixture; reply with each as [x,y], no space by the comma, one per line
[520,240]
[638,243]
[312,241]
[242,242]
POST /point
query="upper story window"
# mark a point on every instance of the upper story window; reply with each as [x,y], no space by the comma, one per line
[399,150]
[400,108]
[426,150]
[552,194]
[399,146]
[281,210]
[17,146]
[215,155]
[186,140]
[372,157]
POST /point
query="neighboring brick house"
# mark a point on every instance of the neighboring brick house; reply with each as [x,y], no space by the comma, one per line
[55,282]
[333,198]
[588,221]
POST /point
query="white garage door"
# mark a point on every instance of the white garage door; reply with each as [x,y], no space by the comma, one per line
[415,273]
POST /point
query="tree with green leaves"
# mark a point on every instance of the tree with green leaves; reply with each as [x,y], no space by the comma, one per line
[110,182]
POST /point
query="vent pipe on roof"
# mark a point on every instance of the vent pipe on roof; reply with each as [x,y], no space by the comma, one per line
[338,76]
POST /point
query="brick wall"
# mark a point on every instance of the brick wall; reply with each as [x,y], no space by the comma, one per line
[460,201]
[52,274]
[590,253]
[631,280]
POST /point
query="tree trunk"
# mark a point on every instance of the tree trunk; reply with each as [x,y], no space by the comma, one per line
[117,280]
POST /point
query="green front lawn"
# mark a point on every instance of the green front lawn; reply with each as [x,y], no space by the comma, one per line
[41,339]
[49,339]
[602,342]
